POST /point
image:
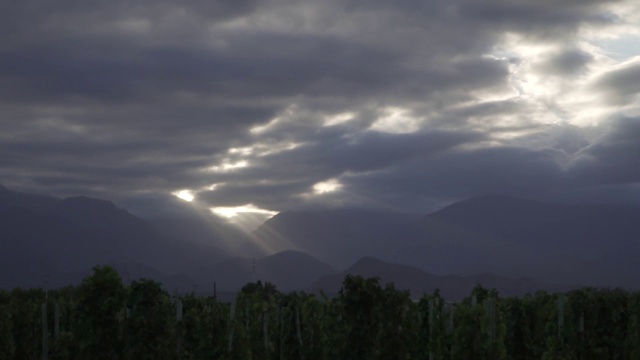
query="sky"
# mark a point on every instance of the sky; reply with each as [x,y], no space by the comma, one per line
[248,108]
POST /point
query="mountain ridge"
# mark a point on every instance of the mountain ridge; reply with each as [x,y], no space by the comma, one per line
[419,282]
[552,243]
[487,238]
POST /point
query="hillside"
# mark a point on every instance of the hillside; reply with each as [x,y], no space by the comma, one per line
[44,237]
[288,270]
[338,237]
[418,282]
[593,244]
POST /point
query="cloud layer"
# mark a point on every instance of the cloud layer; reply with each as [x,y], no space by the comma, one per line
[404,105]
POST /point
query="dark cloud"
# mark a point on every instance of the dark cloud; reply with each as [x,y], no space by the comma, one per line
[566,62]
[287,175]
[614,159]
[463,174]
[136,100]
[621,86]
[538,19]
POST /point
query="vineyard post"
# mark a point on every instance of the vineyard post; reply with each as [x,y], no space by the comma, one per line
[450,324]
[265,330]
[476,321]
[281,331]
[232,314]
[581,330]
[45,332]
[560,316]
[431,327]
[298,331]
[247,318]
[178,321]
[56,324]
[491,318]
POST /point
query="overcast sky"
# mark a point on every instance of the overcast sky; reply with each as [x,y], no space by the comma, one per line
[278,105]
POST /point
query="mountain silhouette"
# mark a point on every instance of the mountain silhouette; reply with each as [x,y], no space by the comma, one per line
[490,239]
[591,244]
[42,238]
[418,282]
[338,237]
[288,270]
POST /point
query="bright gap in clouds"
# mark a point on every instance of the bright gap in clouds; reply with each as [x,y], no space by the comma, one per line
[233,211]
[185,195]
[622,47]
[262,149]
[227,166]
[328,186]
[338,119]
[395,120]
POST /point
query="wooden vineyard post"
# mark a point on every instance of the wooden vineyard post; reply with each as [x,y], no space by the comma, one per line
[56,323]
[298,330]
[281,331]
[431,327]
[450,323]
[45,332]
[265,331]
[491,314]
[581,330]
[179,334]
[560,317]
[490,309]
[232,315]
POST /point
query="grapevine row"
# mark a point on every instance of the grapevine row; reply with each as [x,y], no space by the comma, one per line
[104,319]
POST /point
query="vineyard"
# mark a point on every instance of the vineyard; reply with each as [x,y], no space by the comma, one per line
[105,319]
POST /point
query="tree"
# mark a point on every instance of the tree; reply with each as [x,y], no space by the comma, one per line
[26,322]
[100,314]
[150,325]
[362,303]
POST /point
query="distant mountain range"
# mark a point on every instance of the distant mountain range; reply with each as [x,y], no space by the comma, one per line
[516,246]
[289,270]
[404,277]
[562,244]
[45,239]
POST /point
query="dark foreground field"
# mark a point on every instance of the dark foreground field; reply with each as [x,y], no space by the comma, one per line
[106,319]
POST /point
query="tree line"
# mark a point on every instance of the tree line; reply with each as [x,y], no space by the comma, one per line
[103,318]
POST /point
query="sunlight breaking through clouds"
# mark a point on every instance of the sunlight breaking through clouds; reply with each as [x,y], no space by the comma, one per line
[227,166]
[328,186]
[288,113]
[264,149]
[218,105]
[233,211]
[186,195]
[338,119]
[395,120]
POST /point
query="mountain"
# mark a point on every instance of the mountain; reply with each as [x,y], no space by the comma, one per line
[45,237]
[181,221]
[341,237]
[497,214]
[418,282]
[35,202]
[288,270]
[592,244]
[338,237]
[595,244]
